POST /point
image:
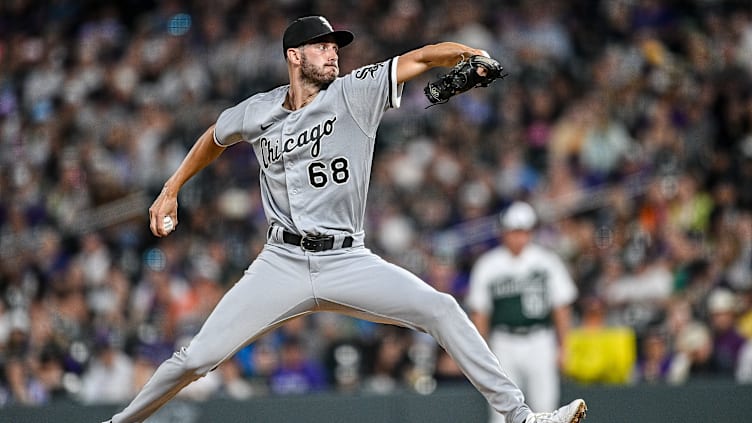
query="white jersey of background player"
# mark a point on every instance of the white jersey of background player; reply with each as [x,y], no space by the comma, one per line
[314,140]
[519,298]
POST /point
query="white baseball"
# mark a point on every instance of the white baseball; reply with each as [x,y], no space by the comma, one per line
[167,224]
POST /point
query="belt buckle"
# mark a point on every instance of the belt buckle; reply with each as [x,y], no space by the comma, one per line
[314,242]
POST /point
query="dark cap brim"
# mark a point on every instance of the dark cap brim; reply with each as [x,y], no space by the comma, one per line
[341,37]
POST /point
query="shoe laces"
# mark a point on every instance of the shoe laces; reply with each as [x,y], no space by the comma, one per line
[542,418]
[545,418]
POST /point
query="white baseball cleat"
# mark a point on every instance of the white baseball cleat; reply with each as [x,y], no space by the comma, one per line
[574,412]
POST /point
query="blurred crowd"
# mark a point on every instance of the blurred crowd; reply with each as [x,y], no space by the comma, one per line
[627,124]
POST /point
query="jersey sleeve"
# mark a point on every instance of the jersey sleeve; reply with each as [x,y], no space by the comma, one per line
[563,289]
[229,127]
[371,90]
[478,298]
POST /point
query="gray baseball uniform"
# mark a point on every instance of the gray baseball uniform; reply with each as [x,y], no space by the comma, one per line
[315,169]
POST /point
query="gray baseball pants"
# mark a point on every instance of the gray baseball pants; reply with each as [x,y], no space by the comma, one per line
[285,282]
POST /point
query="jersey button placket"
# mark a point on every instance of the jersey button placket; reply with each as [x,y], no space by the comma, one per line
[292,178]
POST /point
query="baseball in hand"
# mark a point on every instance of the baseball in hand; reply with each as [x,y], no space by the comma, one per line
[167,224]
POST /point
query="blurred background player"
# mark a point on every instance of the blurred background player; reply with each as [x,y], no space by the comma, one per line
[519,298]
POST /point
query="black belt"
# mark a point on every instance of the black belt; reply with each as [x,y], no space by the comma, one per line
[314,242]
[520,330]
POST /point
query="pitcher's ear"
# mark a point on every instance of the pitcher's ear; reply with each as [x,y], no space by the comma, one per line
[293,55]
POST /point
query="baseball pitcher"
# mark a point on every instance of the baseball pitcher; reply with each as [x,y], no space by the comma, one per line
[314,139]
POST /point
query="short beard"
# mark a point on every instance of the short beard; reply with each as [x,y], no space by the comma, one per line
[315,76]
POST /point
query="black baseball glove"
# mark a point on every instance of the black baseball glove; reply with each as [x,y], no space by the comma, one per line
[463,76]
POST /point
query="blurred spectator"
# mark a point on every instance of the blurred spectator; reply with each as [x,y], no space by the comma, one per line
[51,372]
[265,361]
[727,341]
[443,274]
[204,388]
[641,293]
[233,384]
[536,35]
[605,145]
[745,313]
[735,252]
[655,358]
[690,208]
[95,259]
[597,351]
[154,303]
[109,377]
[23,385]
[694,348]
[514,176]
[145,361]
[446,371]
[389,364]
[297,373]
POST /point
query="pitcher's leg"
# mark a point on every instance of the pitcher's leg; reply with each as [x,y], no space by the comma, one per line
[385,292]
[272,290]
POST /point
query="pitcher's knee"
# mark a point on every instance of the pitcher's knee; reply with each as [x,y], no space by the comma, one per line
[195,363]
[441,306]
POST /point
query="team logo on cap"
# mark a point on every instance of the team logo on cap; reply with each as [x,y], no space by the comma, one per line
[326,23]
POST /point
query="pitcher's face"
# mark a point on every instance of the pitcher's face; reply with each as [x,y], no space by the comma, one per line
[319,62]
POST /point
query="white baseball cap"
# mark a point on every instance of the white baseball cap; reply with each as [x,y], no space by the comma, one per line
[721,300]
[518,216]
